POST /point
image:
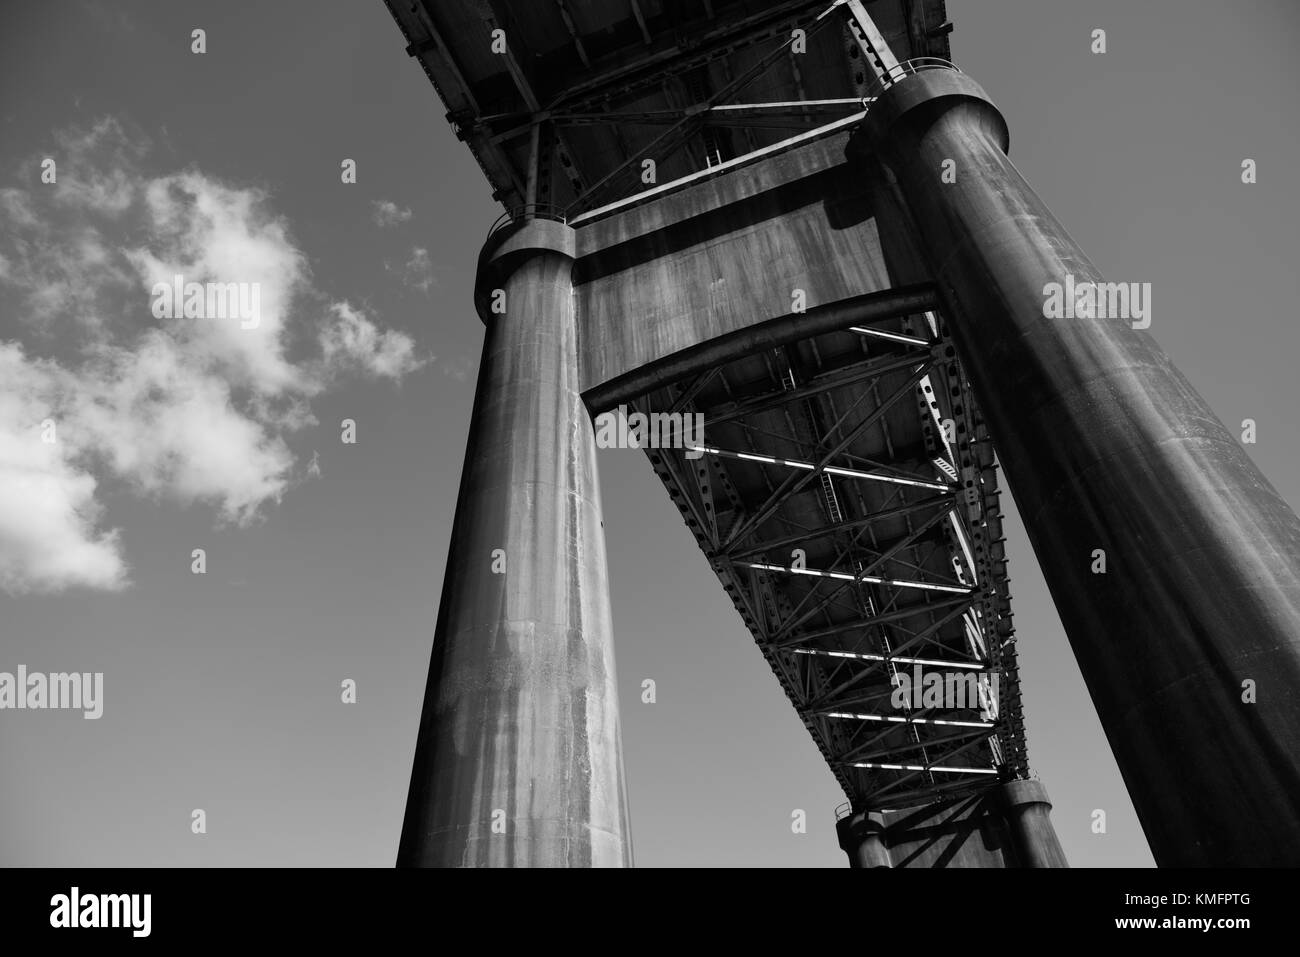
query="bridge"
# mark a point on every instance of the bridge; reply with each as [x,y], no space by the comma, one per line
[798,221]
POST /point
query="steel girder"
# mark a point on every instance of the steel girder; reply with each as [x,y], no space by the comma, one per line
[845,494]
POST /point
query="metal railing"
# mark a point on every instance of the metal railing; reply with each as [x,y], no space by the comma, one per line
[518,214]
[901,72]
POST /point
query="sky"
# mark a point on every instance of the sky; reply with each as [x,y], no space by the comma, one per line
[324,557]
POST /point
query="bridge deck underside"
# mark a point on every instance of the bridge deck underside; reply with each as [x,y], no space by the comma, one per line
[614,79]
[860,538]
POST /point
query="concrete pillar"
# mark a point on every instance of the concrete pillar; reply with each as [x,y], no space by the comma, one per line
[1027,808]
[1106,446]
[520,721]
[861,837]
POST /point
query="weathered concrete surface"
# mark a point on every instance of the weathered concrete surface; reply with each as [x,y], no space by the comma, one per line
[861,837]
[1107,446]
[520,712]
[1026,808]
[759,337]
[1007,826]
[712,259]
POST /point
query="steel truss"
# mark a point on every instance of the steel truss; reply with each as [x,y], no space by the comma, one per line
[858,537]
[841,454]
[522,145]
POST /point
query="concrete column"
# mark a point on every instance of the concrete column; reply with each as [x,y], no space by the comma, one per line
[520,720]
[1027,808]
[1106,446]
[862,838]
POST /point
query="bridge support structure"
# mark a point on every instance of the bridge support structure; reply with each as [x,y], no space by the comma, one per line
[1189,641]
[519,760]
[1006,826]
[859,311]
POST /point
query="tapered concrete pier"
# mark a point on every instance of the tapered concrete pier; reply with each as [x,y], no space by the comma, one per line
[1027,811]
[861,837]
[518,761]
[1008,826]
[1189,641]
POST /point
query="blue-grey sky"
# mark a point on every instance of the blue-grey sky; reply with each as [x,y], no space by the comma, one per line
[222,690]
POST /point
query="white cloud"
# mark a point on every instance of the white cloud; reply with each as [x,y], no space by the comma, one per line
[354,342]
[208,232]
[48,511]
[417,271]
[186,410]
[95,168]
[169,427]
[387,213]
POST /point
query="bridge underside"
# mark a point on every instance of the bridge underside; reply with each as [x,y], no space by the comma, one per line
[860,544]
[755,212]
[844,489]
[606,82]
[844,486]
